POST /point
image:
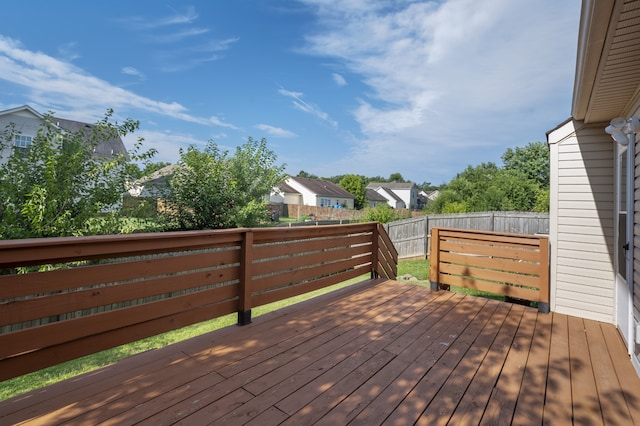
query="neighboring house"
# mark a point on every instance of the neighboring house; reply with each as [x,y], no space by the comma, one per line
[153,185]
[320,193]
[374,199]
[28,121]
[285,194]
[594,226]
[405,192]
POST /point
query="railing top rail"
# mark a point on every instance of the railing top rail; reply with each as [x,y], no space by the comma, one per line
[63,249]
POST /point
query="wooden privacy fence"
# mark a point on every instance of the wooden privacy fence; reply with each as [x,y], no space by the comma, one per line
[512,265]
[62,298]
[411,236]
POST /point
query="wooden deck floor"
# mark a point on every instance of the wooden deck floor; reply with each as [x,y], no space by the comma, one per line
[375,353]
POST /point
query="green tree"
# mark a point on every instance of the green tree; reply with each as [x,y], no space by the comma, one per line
[395,177]
[531,161]
[58,187]
[210,190]
[253,174]
[487,187]
[304,174]
[355,185]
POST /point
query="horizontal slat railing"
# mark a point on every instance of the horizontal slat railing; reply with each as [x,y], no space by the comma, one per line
[512,265]
[62,298]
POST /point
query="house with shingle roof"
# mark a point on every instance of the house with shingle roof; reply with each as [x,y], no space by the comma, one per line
[374,199]
[317,192]
[27,121]
[399,195]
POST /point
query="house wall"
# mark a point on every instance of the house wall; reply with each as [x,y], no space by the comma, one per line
[25,123]
[409,196]
[582,222]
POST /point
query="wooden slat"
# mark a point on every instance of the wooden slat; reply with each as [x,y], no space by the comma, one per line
[490,275]
[505,290]
[531,268]
[558,406]
[304,260]
[299,275]
[506,252]
[57,304]
[266,251]
[22,285]
[37,338]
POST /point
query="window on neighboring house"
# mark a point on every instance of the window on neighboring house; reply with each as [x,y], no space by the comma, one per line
[21,143]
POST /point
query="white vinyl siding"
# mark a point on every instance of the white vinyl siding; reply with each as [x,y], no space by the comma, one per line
[582,222]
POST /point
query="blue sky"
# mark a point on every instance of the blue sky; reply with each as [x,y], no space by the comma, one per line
[422,88]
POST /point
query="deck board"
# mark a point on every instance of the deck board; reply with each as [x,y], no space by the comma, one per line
[380,352]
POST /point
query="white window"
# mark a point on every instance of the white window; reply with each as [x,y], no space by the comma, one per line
[22,142]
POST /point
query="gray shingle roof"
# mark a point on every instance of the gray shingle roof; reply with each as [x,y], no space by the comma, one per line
[323,187]
[108,149]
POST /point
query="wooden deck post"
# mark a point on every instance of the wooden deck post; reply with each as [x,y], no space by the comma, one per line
[246,259]
[434,259]
[545,292]
[375,243]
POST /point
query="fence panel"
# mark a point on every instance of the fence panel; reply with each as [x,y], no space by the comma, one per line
[411,237]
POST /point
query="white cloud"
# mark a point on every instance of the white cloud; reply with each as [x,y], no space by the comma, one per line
[339,79]
[307,107]
[177,36]
[275,131]
[132,71]
[449,75]
[64,86]
[176,18]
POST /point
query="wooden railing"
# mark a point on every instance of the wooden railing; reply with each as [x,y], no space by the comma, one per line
[513,265]
[62,298]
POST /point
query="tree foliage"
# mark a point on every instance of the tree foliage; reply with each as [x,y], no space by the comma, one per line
[532,161]
[58,187]
[522,184]
[383,213]
[355,185]
[211,190]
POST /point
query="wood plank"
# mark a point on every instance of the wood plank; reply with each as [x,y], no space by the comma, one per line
[490,275]
[558,407]
[626,374]
[306,365]
[530,405]
[490,262]
[442,408]
[505,290]
[420,382]
[583,386]
[610,399]
[504,396]
[414,323]
[472,403]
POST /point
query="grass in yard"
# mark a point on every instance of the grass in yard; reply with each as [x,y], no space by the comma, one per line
[72,368]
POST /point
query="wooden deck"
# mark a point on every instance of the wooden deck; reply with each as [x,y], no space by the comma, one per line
[381,352]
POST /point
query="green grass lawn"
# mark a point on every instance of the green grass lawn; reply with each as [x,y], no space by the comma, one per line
[417,268]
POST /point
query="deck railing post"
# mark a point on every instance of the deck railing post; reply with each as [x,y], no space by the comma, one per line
[545,292]
[246,259]
[434,259]
[375,243]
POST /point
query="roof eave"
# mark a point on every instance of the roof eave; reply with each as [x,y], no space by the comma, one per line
[591,43]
